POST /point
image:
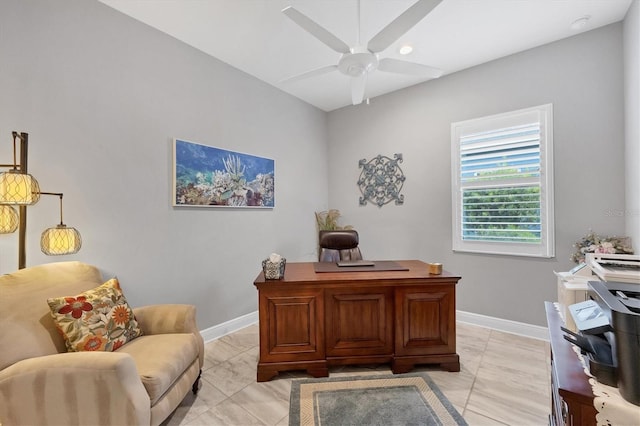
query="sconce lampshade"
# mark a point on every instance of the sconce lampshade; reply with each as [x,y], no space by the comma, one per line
[18,188]
[60,240]
[9,219]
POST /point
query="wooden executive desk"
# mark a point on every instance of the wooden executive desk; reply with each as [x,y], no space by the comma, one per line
[311,320]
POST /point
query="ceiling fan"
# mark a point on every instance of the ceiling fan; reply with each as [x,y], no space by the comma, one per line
[359,61]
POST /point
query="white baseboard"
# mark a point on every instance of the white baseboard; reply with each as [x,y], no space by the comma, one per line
[217,331]
[508,326]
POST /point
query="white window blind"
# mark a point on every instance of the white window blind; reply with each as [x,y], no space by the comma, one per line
[502,183]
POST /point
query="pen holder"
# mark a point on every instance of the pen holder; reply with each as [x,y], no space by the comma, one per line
[273,270]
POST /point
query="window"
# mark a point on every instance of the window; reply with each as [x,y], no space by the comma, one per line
[503,183]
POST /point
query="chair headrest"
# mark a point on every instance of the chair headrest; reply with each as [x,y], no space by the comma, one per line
[339,240]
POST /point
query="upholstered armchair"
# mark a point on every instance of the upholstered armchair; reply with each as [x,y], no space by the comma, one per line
[339,245]
[139,382]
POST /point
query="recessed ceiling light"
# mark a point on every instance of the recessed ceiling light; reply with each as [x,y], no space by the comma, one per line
[580,23]
[405,50]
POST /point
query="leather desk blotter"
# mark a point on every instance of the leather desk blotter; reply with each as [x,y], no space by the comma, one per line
[382,265]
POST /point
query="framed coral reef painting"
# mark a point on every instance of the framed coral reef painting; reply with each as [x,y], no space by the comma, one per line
[204,176]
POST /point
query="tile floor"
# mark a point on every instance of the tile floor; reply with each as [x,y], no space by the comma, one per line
[504,380]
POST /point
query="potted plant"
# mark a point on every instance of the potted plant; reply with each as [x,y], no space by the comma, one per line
[328,220]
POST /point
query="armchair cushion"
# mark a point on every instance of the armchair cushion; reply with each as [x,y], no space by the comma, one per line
[161,359]
[99,319]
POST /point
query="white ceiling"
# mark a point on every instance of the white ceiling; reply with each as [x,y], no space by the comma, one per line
[255,37]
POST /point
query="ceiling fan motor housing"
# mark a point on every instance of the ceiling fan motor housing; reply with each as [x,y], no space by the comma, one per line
[357,62]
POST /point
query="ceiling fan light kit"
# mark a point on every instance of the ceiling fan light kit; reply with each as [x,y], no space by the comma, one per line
[359,61]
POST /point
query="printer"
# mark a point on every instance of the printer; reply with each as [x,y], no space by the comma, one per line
[573,285]
[608,323]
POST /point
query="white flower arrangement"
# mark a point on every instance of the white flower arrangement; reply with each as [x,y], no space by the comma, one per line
[594,243]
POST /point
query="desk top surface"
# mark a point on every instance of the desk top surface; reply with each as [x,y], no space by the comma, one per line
[298,272]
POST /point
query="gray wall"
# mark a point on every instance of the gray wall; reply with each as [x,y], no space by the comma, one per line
[581,76]
[632,121]
[101,97]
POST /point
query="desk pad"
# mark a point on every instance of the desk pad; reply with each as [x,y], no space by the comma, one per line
[382,265]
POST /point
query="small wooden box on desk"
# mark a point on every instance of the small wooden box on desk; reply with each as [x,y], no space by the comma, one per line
[571,394]
[310,321]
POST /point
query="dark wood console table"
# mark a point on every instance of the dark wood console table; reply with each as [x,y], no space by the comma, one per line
[312,320]
[571,394]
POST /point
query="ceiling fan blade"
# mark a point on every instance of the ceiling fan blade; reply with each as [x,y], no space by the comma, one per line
[312,73]
[357,88]
[316,30]
[410,68]
[403,23]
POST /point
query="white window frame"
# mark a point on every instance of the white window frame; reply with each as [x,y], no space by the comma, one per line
[546,247]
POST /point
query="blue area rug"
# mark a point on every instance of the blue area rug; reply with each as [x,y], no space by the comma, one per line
[398,399]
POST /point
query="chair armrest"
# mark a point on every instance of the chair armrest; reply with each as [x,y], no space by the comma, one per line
[169,318]
[166,319]
[74,388]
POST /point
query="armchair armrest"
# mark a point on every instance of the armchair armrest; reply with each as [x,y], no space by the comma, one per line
[165,319]
[169,318]
[75,388]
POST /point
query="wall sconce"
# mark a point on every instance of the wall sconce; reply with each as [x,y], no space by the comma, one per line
[18,188]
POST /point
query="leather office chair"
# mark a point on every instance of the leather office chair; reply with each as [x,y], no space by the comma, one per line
[336,246]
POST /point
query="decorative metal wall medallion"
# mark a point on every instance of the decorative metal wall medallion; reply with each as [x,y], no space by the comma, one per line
[381,180]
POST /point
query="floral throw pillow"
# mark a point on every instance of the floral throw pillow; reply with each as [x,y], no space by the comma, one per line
[96,320]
